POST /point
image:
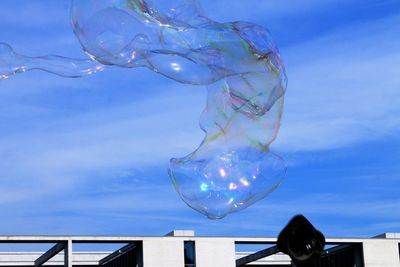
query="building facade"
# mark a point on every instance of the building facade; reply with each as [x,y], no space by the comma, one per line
[184,249]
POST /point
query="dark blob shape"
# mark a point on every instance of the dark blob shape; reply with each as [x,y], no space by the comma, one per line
[301,241]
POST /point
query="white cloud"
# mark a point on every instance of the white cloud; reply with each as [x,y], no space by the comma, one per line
[112,139]
[338,95]
[343,89]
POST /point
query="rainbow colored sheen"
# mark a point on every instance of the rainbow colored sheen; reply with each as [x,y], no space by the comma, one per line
[238,63]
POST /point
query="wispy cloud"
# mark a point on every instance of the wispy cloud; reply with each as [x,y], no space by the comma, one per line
[105,140]
[78,170]
[343,89]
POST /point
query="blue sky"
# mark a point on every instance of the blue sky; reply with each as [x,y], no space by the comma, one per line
[89,156]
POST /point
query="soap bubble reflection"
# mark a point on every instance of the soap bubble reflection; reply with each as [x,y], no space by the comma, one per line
[238,63]
[227,183]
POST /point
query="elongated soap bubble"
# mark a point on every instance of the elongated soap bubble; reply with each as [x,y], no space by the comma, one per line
[12,63]
[237,62]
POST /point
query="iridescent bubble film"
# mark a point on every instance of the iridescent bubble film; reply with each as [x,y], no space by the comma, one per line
[238,63]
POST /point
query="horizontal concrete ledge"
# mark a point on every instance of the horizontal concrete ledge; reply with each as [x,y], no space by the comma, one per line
[129,239]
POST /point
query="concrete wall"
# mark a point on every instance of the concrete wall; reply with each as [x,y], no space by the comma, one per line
[168,252]
[381,253]
[212,252]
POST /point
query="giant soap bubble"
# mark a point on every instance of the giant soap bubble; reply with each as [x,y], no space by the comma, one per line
[238,63]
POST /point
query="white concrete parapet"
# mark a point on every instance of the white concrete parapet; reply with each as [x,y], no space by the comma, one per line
[168,251]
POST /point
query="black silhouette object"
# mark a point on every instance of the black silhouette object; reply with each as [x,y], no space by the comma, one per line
[302,242]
